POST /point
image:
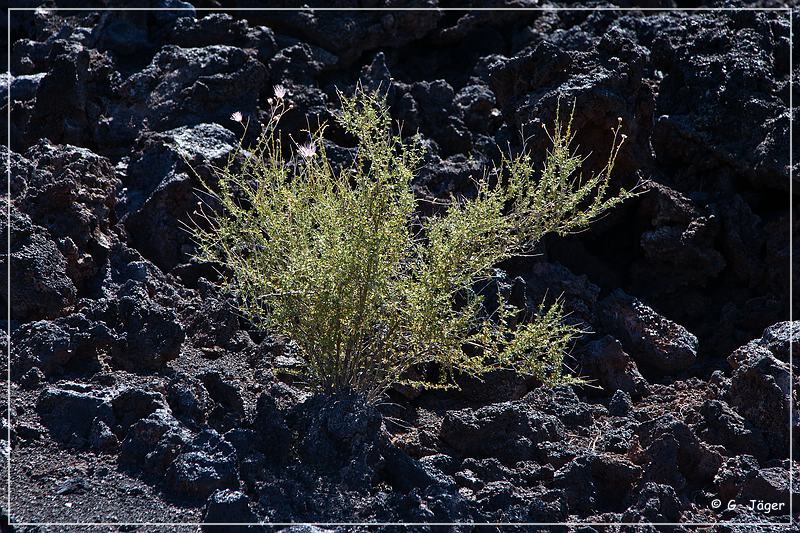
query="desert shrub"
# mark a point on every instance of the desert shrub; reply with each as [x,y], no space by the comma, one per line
[340,261]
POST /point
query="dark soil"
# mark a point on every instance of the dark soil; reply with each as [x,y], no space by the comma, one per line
[139,395]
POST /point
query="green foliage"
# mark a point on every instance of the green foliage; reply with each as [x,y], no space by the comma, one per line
[340,261]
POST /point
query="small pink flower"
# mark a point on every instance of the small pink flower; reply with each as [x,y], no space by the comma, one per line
[307,150]
[237,117]
[280,92]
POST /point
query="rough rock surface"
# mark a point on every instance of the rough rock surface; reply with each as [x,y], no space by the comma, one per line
[139,394]
[40,287]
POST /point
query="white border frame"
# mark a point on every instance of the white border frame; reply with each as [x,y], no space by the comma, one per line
[787,10]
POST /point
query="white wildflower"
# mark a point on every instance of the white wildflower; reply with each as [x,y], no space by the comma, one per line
[307,150]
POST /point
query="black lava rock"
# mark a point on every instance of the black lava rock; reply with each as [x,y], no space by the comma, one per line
[70,412]
[652,339]
[226,506]
[208,464]
[517,426]
[40,287]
